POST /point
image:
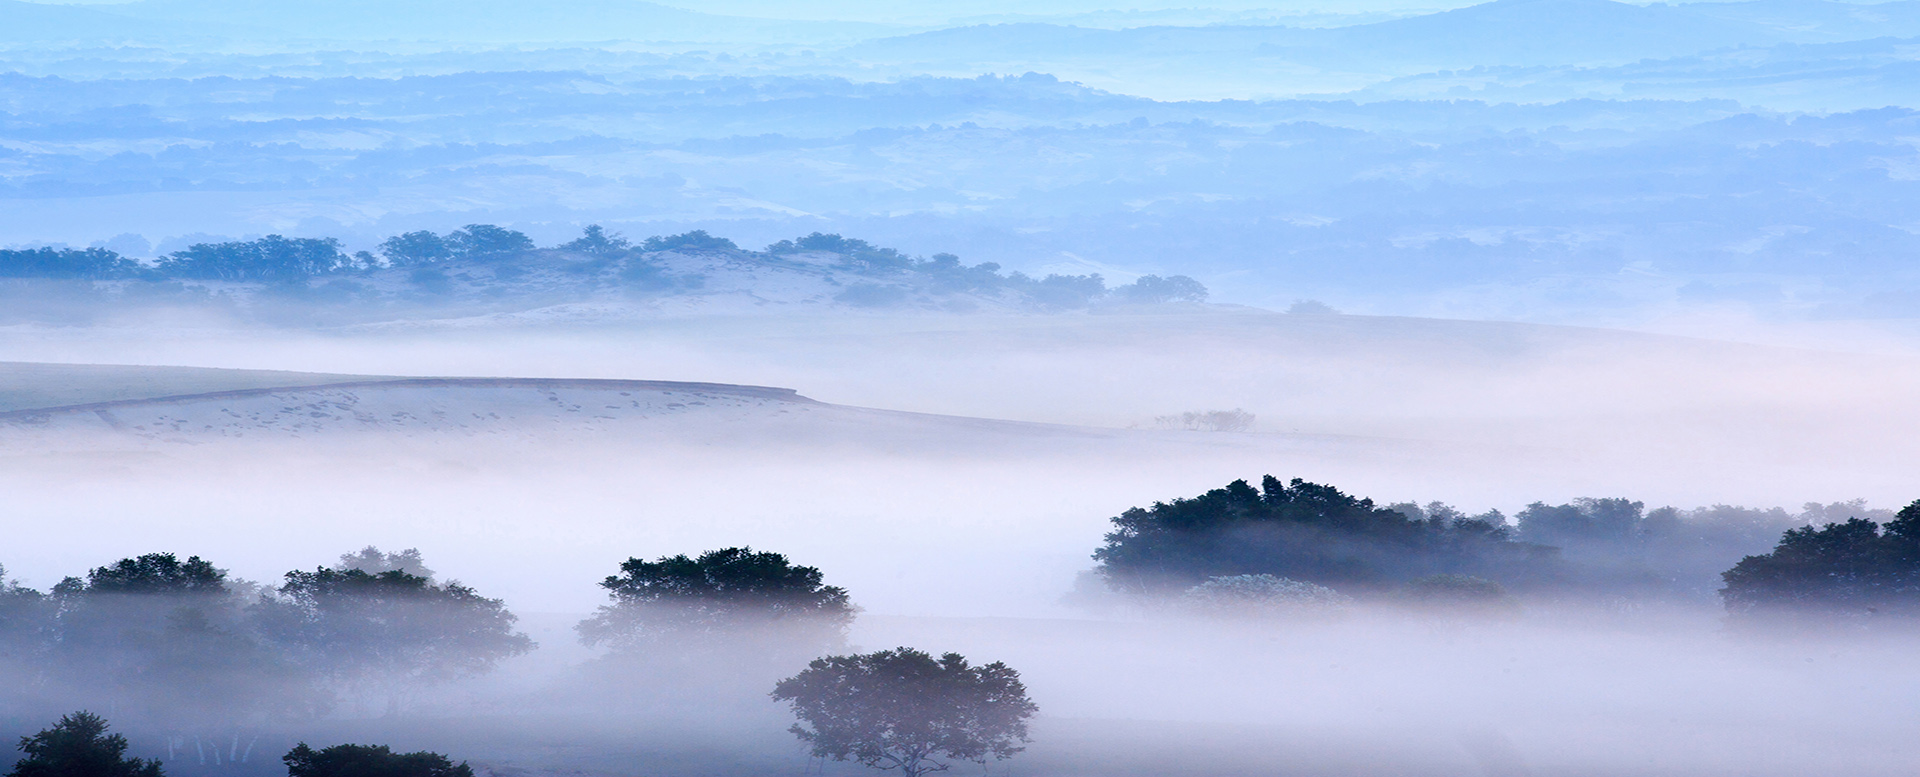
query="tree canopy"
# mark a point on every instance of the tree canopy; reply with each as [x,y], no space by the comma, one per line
[1302,531]
[681,598]
[179,641]
[79,746]
[595,240]
[903,709]
[157,573]
[1854,567]
[369,761]
[272,258]
[96,264]
[389,630]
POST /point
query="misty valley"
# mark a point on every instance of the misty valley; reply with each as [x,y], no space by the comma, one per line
[679,671]
[1038,388]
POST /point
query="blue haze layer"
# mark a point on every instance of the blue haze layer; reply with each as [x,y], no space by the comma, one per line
[1554,160]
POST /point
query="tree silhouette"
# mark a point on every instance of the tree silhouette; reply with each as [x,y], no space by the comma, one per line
[681,599]
[79,746]
[390,631]
[903,709]
[369,761]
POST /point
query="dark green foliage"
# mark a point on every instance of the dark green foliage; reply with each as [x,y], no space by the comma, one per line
[388,630]
[596,241]
[1855,567]
[79,746]
[681,599]
[369,761]
[903,709]
[1303,531]
[416,249]
[94,264]
[487,240]
[157,573]
[1153,289]
[690,242]
[272,258]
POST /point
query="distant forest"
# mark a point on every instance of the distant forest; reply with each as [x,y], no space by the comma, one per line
[491,264]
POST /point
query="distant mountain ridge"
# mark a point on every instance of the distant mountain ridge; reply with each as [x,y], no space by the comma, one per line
[1504,32]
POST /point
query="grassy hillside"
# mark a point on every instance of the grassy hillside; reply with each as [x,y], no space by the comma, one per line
[29,385]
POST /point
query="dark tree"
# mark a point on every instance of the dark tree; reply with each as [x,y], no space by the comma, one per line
[416,249]
[680,600]
[1583,522]
[1854,567]
[168,640]
[477,240]
[1150,289]
[697,240]
[595,240]
[157,573]
[903,709]
[272,258]
[855,255]
[79,746]
[1302,531]
[88,264]
[369,761]
[1060,292]
[390,631]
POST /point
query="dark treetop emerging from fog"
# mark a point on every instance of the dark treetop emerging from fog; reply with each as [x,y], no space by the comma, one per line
[678,597]
[79,746]
[903,709]
[155,573]
[1304,531]
[390,627]
[176,641]
[369,761]
[1855,567]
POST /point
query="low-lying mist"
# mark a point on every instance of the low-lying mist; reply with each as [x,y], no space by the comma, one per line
[970,533]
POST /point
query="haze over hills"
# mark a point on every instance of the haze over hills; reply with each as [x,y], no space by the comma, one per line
[1278,386]
[1659,160]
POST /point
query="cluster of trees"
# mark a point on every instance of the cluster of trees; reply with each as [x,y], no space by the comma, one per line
[1307,532]
[78,745]
[91,264]
[1272,547]
[1853,568]
[425,256]
[175,641]
[944,274]
[180,642]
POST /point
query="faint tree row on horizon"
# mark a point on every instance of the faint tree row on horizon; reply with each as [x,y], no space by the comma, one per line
[425,257]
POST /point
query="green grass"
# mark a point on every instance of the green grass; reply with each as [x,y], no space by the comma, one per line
[33,385]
